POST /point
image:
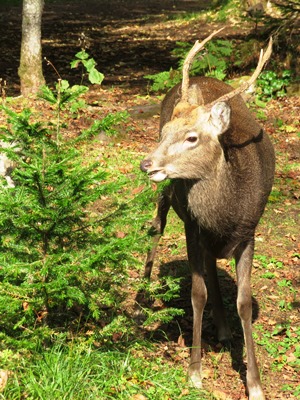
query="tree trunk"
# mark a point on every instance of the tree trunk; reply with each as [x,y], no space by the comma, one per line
[30,69]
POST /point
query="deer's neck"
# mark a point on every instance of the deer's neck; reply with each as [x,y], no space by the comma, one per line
[211,201]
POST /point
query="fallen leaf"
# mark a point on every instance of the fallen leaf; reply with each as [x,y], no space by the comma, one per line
[181,341]
[230,372]
[138,189]
[138,397]
[184,392]
[120,235]
[127,168]
[207,373]
[273,297]
[219,395]
[3,378]
[291,358]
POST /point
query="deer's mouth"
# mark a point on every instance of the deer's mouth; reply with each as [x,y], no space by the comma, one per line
[157,175]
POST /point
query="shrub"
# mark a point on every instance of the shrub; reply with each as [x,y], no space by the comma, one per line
[271,85]
[54,263]
[214,62]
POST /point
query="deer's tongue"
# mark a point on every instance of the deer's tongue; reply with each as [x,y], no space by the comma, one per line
[157,176]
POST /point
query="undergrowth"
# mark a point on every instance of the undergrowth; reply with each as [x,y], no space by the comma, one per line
[64,262]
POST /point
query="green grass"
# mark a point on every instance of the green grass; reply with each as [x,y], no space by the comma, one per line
[76,373]
[282,344]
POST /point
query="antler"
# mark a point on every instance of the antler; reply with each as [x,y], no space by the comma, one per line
[187,63]
[263,58]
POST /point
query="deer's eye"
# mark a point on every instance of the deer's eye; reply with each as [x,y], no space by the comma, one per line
[192,139]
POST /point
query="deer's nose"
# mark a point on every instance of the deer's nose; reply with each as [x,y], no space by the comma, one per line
[145,165]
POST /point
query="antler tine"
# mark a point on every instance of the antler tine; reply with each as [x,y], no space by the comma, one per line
[263,58]
[187,63]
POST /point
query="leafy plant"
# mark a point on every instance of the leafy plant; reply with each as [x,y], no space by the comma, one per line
[164,80]
[282,344]
[61,263]
[271,85]
[213,63]
[107,124]
[83,58]
[64,96]
[51,256]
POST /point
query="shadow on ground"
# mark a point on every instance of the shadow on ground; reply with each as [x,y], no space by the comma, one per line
[126,38]
[182,326]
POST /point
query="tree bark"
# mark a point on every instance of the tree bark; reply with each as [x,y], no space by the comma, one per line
[30,69]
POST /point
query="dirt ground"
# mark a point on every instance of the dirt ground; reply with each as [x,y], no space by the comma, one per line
[130,39]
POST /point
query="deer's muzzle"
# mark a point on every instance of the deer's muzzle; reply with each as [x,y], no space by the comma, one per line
[145,165]
[155,174]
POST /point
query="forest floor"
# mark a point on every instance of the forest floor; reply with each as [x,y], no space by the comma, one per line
[130,39]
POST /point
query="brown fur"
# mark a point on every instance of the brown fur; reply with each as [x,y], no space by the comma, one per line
[219,188]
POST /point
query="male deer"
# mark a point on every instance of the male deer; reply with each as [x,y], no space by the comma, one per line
[221,166]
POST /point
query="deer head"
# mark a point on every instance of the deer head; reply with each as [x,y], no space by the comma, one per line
[192,134]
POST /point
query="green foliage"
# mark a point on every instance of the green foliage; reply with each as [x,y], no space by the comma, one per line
[51,256]
[213,63]
[163,290]
[64,96]
[266,262]
[107,125]
[71,233]
[63,93]
[62,264]
[289,388]
[224,10]
[164,80]
[282,344]
[76,372]
[83,58]
[271,85]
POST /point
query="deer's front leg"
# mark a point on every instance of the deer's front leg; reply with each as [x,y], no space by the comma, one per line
[244,258]
[158,226]
[198,297]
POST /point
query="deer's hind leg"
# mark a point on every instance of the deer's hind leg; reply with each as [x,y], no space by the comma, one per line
[219,315]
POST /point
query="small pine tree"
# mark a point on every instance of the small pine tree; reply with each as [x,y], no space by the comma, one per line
[50,253]
[59,266]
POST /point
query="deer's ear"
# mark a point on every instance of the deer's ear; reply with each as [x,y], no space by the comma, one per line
[220,118]
[214,121]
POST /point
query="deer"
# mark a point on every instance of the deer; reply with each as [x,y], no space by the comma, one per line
[220,164]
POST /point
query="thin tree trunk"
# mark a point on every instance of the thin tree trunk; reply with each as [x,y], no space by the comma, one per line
[30,69]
